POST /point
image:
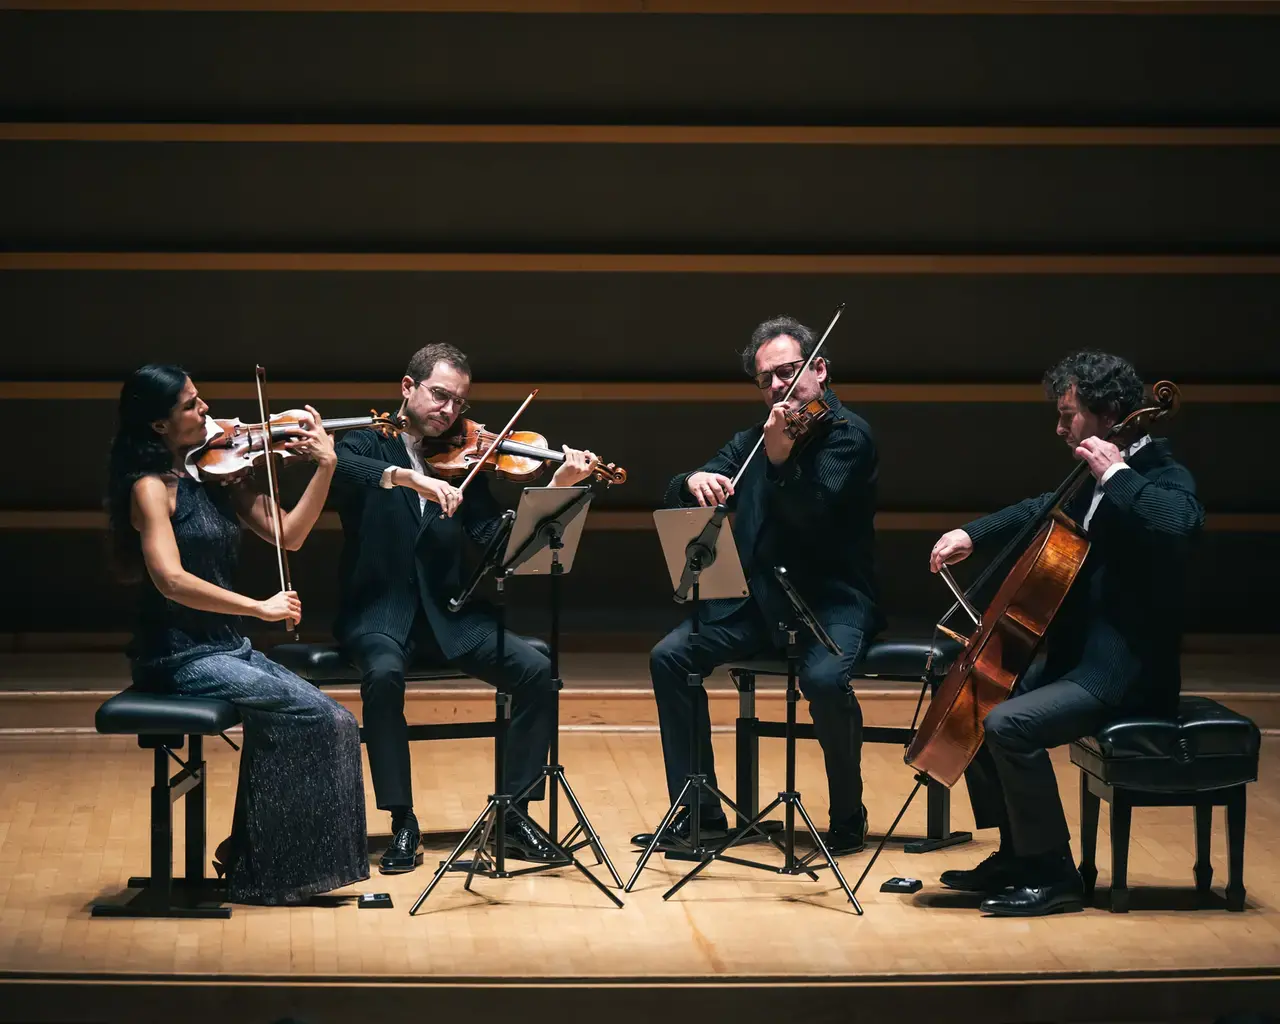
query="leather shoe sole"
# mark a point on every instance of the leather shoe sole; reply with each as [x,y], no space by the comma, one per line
[399,866]
[1061,903]
[705,832]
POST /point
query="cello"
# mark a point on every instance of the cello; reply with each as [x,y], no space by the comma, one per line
[1008,633]
[1051,551]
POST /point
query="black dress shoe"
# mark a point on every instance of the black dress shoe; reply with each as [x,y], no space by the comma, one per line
[525,842]
[711,826]
[1066,894]
[995,874]
[848,838]
[402,853]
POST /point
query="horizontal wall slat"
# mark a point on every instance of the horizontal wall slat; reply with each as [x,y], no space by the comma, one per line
[572,134]
[668,7]
[650,263]
[630,520]
[607,391]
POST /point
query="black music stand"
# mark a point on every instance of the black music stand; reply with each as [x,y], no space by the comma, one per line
[550,520]
[694,543]
[790,797]
[493,818]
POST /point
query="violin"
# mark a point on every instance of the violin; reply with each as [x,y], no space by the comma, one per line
[231,449]
[809,421]
[519,456]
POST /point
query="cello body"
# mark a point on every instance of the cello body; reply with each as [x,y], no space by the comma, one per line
[999,651]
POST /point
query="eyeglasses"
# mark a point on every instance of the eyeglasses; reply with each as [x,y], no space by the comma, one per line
[784,373]
[440,396]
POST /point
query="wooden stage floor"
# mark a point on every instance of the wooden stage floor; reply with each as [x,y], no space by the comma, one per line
[74,826]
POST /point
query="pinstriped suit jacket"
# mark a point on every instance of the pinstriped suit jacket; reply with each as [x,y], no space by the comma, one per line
[396,560]
[1118,633]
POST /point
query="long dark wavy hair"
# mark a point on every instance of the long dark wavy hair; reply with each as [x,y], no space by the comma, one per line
[148,394]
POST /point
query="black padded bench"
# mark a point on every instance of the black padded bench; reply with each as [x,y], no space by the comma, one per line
[324,664]
[895,660]
[1203,757]
[161,722]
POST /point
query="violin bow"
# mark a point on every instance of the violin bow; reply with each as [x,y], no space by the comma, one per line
[791,390]
[273,492]
[502,436]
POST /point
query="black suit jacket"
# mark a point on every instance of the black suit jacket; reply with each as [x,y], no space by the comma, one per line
[815,514]
[396,560]
[1119,631]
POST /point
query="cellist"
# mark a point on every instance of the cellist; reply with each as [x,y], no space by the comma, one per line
[1112,648]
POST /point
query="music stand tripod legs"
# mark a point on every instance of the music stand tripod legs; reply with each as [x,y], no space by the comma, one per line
[493,818]
[553,772]
[789,799]
[696,783]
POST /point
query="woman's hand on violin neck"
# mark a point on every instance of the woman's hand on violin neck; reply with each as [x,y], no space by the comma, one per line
[432,488]
[710,488]
[954,546]
[577,466]
[777,445]
[313,441]
[284,605]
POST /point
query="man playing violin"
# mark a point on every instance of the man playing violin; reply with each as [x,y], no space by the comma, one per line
[1111,649]
[401,563]
[809,507]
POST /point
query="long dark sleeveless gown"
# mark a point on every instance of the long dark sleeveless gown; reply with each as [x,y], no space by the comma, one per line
[299,825]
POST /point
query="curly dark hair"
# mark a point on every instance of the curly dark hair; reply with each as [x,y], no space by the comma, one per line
[776,328]
[1108,385]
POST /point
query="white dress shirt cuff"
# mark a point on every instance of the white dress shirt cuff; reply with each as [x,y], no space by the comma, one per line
[387,474]
[1112,470]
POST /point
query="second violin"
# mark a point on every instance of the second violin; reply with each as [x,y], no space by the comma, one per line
[519,457]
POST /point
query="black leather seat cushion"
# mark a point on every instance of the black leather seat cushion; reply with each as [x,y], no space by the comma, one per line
[1205,746]
[886,657]
[324,663]
[139,713]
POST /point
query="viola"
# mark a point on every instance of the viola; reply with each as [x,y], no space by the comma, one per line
[809,421]
[519,456]
[231,449]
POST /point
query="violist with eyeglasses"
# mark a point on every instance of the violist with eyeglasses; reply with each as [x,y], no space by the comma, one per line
[811,508]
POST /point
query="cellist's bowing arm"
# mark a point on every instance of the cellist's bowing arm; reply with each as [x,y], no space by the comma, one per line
[1008,521]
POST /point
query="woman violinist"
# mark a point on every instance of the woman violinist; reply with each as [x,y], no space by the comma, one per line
[1111,648]
[299,823]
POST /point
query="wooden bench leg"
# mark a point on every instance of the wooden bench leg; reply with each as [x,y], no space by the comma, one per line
[1090,805]
[1235,846]
[1204,863]
[1121,813]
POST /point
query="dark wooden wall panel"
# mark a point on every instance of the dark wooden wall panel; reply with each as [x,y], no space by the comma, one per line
[645,327]
[628,198]
[649,68]
[665,198]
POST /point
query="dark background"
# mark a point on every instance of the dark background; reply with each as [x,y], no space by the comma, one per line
[536,327]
